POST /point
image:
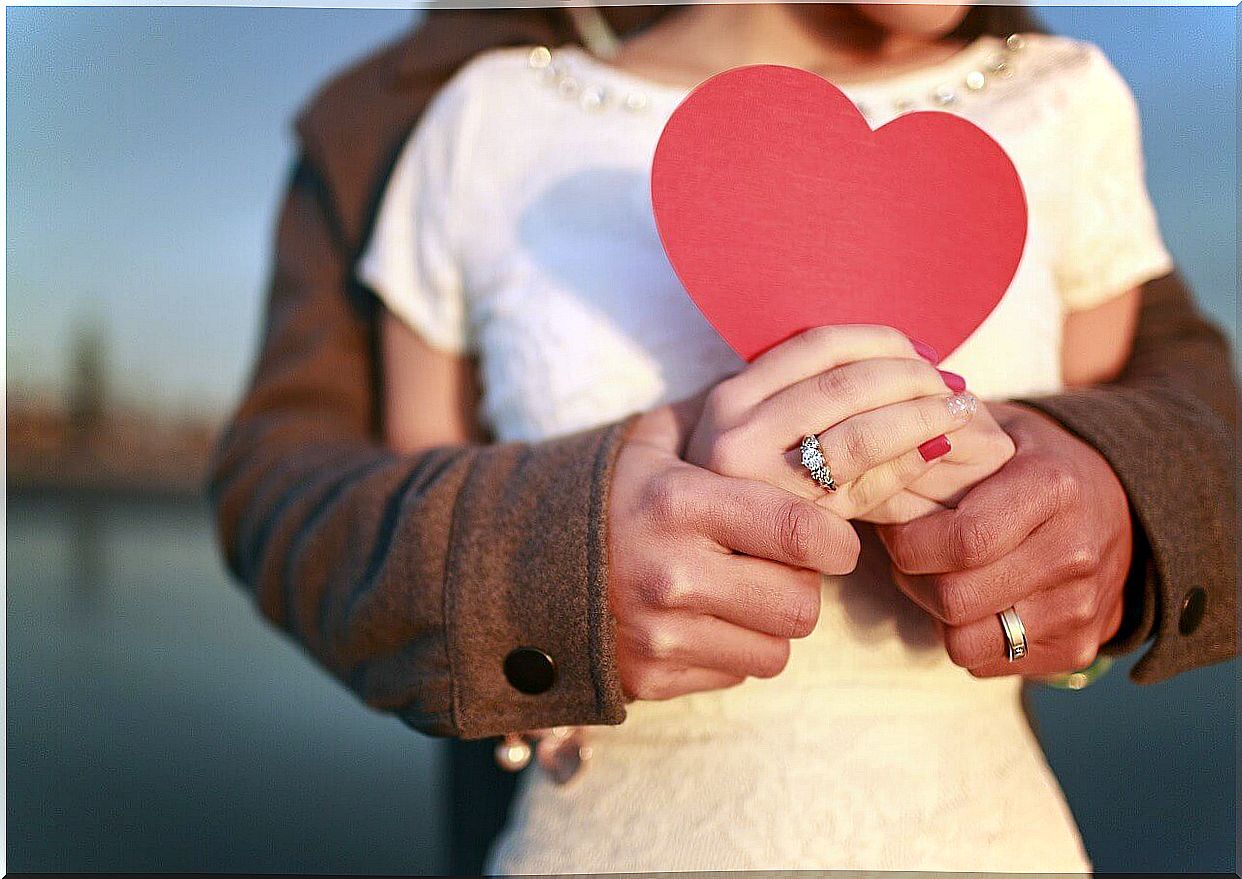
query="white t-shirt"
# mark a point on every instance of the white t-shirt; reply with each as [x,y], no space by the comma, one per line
[517,226]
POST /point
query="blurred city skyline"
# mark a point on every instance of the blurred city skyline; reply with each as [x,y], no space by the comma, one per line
[148,147]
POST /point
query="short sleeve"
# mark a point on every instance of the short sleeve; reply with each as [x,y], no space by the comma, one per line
[412,260]
[1108,240]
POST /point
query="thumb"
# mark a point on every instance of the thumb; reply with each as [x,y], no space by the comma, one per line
[667,428]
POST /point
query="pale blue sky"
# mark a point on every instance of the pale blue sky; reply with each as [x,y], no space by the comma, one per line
[147,148]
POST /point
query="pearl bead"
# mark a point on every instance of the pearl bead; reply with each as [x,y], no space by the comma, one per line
[513,753]
[593,98]
[540,57]
[635,101]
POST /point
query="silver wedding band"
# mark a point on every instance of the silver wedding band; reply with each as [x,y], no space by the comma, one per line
[1015,634]
[813,461]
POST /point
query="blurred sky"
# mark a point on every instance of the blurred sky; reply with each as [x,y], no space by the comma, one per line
[147,148]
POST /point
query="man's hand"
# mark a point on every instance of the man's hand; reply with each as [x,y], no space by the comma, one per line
[1049,533]
[710,576]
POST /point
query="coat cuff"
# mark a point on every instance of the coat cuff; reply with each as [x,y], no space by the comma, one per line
[1174,458]
[528,568]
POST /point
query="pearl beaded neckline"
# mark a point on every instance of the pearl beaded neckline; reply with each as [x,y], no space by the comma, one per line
[557,70]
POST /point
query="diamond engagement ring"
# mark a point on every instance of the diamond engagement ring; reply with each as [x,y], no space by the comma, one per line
[813,461]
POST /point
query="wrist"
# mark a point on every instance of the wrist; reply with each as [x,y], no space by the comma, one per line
[1134,627]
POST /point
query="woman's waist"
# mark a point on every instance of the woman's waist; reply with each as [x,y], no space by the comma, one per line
[803,699]
[936,755]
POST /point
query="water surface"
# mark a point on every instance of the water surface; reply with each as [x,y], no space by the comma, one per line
[157,724]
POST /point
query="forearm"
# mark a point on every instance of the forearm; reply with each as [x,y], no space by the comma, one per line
[409,577]
[1167,427]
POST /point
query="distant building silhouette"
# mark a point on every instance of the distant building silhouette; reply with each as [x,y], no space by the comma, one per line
[87,383]
[87,440]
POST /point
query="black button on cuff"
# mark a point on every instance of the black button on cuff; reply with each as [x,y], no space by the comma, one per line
[1194,604]
[529,670]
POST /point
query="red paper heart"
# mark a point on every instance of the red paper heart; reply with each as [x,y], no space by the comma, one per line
[780,210]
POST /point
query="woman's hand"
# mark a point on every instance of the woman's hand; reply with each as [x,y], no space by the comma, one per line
[977,451]
[883,415]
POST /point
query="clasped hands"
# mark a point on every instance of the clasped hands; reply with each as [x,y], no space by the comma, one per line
[718,535]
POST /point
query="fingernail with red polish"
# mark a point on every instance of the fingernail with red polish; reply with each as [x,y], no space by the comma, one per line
[935,448]
[953,381]
[927,352]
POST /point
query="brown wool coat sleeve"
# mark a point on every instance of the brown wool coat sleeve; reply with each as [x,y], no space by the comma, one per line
[1167,426]
[412,577]
[408,577]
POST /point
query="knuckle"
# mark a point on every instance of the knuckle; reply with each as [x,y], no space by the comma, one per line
[821,336]
[1083,610]
[962,647]
[896,336]
[727,454]
[861,446]
[626,594]
[1083,654]
[721,400]
[920,377]
[799,617]
[999,445]
[1081,559]
[901,546]
[644,684]
[929,418]
[795,530]
[1063,486]
[668,589]
[975,539]
[846,548]
[664,501]
[955,601]
[885,337]
[837,384]
[772,662]
[860,496]
[806,537]
[656,643]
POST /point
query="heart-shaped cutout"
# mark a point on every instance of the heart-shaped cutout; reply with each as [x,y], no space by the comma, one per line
[780,210]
